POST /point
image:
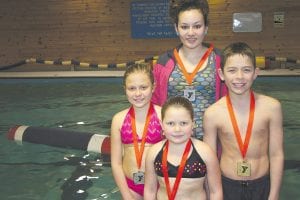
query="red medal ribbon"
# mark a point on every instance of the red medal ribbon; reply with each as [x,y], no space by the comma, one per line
[190,76]
[243,146]
[139,152]
[172,194]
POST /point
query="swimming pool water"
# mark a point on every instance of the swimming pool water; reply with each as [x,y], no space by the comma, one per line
[32,171]
[42,172]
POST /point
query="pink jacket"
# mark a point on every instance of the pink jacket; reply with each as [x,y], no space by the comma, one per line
[162,71]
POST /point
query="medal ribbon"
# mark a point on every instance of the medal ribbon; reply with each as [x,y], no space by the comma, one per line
[190,76]
[243,146]
[172,194]
[139,152]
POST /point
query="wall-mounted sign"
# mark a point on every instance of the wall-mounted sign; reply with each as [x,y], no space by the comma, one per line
[279,19]
[247,22]
[150,19]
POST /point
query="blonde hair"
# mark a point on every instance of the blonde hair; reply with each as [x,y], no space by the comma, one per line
[139,67]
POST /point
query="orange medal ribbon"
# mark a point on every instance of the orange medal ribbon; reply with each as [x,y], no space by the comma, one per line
[139,152]
[190,76]
[172,194]
[243,146]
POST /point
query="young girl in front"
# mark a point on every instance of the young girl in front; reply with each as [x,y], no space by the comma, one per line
[176,168]
[133,131]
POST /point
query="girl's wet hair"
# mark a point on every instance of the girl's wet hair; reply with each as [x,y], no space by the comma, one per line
[177,101]
[139,67]
[235,49]
[178,6]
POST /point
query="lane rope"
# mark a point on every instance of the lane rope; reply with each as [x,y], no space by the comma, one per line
[262,62]
[77,63]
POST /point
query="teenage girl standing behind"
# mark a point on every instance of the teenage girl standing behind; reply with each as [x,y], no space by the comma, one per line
[133,131]
[190,69]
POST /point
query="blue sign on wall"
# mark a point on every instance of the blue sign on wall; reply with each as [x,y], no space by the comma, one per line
[150,19]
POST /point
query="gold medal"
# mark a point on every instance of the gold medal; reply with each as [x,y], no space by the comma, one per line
[138,178]
[243,168]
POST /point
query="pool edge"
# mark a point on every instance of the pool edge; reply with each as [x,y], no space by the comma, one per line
[61,74]
[71,74]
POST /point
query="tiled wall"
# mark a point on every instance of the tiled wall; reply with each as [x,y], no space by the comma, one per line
[98,31]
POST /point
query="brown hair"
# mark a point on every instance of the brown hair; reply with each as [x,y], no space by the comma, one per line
[237,48]
[177,101]
[178,6]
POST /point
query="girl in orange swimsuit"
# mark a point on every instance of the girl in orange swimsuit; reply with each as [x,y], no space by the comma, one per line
[133,131]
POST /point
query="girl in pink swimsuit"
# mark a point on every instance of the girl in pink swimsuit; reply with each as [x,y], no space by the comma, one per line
[133,131]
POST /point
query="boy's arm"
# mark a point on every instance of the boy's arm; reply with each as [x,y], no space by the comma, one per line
[214,182]
[210,138]
[276,153]
[150,189]
[210,129]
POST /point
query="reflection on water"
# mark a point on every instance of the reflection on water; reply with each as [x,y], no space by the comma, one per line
[39,172]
